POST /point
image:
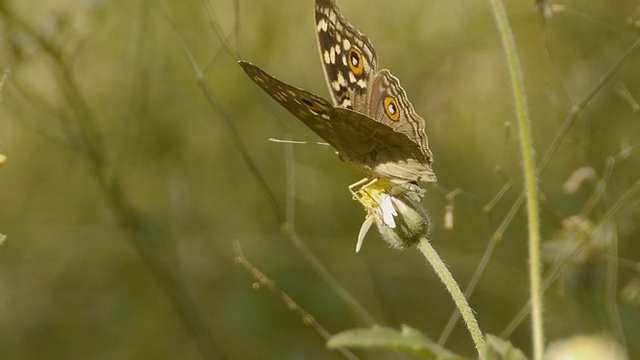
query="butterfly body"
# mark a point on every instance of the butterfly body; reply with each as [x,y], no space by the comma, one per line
[371,122]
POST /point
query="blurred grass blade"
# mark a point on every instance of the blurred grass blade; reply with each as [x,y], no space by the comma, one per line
[407,340]
[498,349]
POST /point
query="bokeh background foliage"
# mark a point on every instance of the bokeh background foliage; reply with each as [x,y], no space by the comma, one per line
[125,250]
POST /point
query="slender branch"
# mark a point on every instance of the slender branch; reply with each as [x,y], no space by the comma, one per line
[143,238]
[566,126]
[261,280]
[562,264]
[282,217]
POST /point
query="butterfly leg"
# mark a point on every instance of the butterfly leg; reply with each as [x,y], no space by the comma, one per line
[364,183]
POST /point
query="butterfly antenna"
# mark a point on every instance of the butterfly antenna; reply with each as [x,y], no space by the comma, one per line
[297,142]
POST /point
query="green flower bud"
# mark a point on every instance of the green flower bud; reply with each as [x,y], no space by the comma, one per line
[395,211]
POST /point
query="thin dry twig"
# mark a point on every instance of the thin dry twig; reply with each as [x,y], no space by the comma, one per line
[261,280]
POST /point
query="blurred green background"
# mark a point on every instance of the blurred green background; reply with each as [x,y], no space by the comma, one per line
[125,186]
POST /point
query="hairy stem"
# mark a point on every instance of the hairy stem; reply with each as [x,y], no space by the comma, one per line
[454,289]
[531,184]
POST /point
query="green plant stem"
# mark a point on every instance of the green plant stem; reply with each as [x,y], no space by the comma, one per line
[531,184]
[454,289]
[453,319]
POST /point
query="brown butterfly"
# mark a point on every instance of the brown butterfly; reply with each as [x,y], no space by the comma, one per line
[371,122]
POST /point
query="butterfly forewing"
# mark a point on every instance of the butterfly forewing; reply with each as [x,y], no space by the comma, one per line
[306,106]
[348,58]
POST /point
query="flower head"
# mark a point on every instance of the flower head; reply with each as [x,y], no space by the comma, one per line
[395,211]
